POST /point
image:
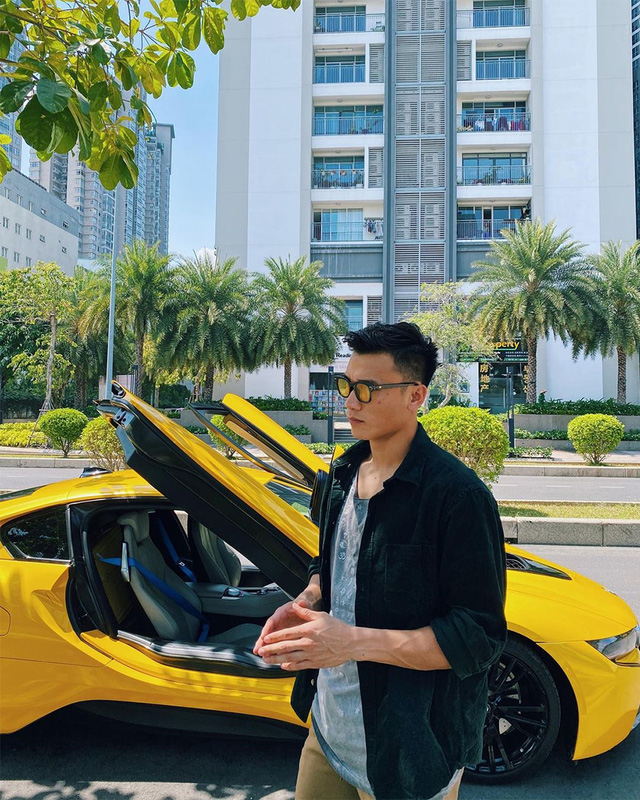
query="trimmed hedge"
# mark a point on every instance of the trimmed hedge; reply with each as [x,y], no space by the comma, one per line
[530,452]
[326,449]
[279,403]
[582,406]
[16,434]
[297,430]
[476,437]
[594,436]
[632,435]
[63,426]
[100,441]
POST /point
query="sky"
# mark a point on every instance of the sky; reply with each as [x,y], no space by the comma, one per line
[194,115]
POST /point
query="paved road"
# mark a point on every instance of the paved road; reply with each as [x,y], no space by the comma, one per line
[72,756]
[509,487]
[595,490]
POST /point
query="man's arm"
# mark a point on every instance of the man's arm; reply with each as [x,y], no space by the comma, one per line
[283,617]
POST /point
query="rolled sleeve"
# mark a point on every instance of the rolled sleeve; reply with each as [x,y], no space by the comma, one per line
[314,567]
[472,630]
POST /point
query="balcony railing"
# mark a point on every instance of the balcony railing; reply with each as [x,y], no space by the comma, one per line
[337,126]
[348,23]
[493,69]
[337,178]
[473,175]
[501,17]
[369,230]
[505,119]
[484,229]
[342,72]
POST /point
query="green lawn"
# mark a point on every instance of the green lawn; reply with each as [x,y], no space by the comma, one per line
[584,510]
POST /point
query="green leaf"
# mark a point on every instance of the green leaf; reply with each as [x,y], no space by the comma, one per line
[185,69]
[180,6]
[65,132]
[13,95]
[100,53]
[252,7]
[98,96]
[5,163]
[53,95]
[213,20]
[115,95]
[128,136]
[109,171]
[5,46]
[192,32]
[168,36]
[112,18]
[238,9]
[35,125]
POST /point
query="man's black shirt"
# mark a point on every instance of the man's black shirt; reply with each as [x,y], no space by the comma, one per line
[432,553]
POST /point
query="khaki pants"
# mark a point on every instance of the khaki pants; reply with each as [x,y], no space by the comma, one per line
[317,779]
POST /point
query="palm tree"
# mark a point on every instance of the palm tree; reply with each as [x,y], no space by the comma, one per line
[296,322]
[534,283]
[616,288]
[204,326]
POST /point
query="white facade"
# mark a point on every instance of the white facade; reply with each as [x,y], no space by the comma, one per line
[544,128]
[35,226]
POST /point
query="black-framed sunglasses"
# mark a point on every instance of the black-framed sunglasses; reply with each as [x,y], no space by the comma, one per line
[364,389]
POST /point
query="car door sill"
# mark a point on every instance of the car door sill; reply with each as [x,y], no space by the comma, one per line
[218,657]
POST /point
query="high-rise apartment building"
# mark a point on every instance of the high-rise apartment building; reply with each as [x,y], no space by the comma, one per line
[635,62]
[8,121]
[140,213]
[394,140]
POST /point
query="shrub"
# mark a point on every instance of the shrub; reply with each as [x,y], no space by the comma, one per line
[17,434]
[582,406]
[297,430]
[195,429]
[174,395]
[228,452]
[172,414]
[100,441]
[595,435]
[471,434]
[530,452]
[63,427]
[325,449]
[555,434]
[320,415]
[280,403]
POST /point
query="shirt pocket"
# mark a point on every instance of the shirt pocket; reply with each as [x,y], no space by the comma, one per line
[404,580]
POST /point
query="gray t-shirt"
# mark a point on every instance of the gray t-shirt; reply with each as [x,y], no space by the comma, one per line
[337,707]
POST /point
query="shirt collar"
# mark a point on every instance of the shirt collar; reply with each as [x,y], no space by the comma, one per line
[409,470]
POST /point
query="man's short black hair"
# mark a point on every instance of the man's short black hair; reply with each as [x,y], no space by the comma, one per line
[414,354]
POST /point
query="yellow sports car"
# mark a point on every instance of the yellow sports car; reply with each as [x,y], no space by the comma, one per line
[139,594]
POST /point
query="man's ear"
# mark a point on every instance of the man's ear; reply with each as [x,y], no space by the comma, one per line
[418,397]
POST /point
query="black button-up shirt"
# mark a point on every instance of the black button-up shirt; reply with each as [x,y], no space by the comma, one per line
[432,553]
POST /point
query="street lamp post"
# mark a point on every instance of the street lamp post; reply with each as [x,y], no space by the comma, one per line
[112,299]
[510,416]
[330,436]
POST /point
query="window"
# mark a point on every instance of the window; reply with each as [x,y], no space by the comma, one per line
[353,314]
[338,225]
[42,238]
[30,206]
[339,69]
[27,261]
[331,120]
[7,194]
[16,257]
[18,227]
[28,233]
[38,536]
[64,249]
[5,252]
[337,172]
[19,199]
[65,224]
[43,211]
[5,222]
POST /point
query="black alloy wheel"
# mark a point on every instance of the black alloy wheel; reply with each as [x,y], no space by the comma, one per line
[523,716]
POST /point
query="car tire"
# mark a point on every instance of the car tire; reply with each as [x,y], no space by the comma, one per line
[523,716]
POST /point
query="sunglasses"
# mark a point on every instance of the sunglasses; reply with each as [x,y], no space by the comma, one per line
[364,389]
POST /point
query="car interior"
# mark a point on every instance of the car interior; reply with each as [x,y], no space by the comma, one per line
[168,578]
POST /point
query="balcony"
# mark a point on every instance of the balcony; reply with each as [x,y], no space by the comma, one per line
[348,23]
[484,229]
[501,17]
[342,72]
[506,119]
[339,126]
[337,178]
[497,69]
[474,175]
[369,230]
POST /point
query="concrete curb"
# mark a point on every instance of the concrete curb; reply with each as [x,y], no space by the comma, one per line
[571,471]
[69,463]
[594,532]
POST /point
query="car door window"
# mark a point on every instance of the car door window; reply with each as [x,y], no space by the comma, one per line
[40,536]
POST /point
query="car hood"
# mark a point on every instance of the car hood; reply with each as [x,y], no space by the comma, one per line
[193,475]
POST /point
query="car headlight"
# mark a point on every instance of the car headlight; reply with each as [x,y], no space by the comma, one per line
[615,647]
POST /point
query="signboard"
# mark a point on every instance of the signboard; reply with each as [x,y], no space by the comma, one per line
[512,351]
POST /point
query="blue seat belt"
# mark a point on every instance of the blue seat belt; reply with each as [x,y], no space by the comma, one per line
[167,590]
[173,553]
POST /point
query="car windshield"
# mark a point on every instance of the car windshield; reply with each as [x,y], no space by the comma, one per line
[297,498]
[19,493]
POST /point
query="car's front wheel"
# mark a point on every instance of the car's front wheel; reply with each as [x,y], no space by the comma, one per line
[523,715]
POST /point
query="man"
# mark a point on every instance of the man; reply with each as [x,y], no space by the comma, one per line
[404,611]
